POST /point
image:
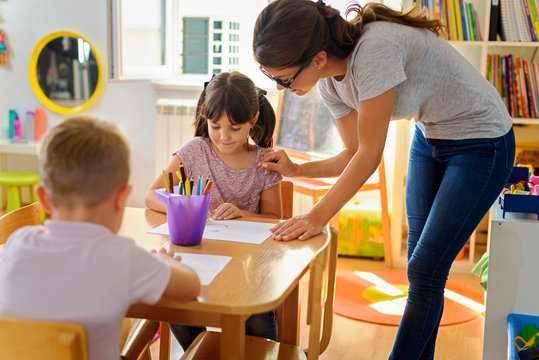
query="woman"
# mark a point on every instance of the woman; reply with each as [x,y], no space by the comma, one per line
[385,65]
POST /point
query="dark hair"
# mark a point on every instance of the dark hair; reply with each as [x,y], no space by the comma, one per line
[289,32]
[235,95]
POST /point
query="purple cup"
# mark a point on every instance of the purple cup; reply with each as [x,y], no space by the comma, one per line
[186,216]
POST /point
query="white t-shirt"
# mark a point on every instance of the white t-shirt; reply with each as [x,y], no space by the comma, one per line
[78,272]
[434,83]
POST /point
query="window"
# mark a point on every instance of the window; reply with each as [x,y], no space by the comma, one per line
[139,42]
[157,39]
[195,46]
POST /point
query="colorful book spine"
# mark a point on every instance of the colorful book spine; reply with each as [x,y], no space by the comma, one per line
[533,13]
[523,92]
[535,82]
[458,16]
[504,82]
[508,72]
[464,20]
[471,23]
[529,19]
[529,90]
[518,89]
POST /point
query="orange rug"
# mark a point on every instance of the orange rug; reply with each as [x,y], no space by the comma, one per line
[380,297]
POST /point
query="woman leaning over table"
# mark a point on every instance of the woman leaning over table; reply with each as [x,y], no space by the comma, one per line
[385,65]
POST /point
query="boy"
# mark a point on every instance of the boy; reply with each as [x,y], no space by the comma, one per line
[74,268]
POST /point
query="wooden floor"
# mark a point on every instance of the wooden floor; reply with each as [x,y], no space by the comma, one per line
[357,340]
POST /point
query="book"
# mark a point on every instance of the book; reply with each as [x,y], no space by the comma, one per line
[464,19]
[535,83]
[506,20]
[458,16]
[529,20]
[529,91]
[494,18]
[508,81]
[471,23]
[522,22]
[533,13]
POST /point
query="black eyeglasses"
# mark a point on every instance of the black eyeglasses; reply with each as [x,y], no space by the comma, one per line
[291,80]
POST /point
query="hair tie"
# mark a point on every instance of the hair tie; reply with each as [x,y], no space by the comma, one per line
[320,4]
[207,82]
[262,91]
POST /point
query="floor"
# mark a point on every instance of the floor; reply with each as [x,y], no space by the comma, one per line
[352,339]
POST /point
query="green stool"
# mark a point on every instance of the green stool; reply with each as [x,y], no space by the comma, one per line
[14,180]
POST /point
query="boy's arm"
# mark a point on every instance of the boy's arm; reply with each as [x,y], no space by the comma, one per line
[184,283]
[150,199]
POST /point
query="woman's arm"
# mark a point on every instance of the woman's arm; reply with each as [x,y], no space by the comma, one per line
[150,199]
[270,206]
[372,124]
[329,167]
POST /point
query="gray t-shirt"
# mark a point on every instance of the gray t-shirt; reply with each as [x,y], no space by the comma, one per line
[436,85]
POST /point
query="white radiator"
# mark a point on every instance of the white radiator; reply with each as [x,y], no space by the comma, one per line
[174,127]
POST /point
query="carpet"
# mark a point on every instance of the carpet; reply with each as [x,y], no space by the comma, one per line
[380,297]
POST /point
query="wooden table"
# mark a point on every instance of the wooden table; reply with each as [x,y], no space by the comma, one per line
[259,278]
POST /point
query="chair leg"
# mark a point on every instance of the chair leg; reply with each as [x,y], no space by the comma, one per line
[13,198]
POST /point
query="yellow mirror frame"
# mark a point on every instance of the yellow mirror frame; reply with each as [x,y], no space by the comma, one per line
[32,73]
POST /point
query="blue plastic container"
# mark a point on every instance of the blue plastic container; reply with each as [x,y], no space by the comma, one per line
[515,323]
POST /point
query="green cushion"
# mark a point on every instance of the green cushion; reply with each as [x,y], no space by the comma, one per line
[18,178]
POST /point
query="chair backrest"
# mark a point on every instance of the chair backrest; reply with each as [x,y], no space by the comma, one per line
[27,215]
[322,297]
[287,198]
[29,340]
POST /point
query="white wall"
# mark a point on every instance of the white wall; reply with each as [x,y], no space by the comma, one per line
[131,105]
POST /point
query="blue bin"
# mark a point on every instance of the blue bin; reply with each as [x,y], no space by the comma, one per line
[515,323]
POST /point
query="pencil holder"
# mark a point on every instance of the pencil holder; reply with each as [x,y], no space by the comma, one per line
[186,216]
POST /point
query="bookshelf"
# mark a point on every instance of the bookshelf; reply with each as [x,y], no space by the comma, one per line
[476,52]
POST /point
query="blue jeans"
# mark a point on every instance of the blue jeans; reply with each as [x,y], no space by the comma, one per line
[451,185]
[261,325]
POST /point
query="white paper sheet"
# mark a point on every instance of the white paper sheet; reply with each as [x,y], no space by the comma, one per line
[229,230]
[206,266]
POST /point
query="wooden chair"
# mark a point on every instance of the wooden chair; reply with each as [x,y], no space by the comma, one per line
[287,198]
[137,346]
[207,344]
[29,340]
[27,215]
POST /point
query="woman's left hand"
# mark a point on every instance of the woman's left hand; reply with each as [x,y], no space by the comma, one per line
[300,227]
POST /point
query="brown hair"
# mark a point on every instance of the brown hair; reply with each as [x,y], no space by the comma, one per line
[82,161]
[237,96]
[288,33]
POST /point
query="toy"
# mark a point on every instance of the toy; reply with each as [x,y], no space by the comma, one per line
[3,48]
[527,337]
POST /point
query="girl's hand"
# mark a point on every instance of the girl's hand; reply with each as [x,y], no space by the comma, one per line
[226,211]
[278,161]
[300,227]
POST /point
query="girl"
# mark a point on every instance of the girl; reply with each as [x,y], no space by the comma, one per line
[385,65]
[230,110]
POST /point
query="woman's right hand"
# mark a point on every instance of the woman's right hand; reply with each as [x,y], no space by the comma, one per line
[278,161]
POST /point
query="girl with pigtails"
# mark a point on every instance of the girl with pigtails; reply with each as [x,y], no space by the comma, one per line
[234,125]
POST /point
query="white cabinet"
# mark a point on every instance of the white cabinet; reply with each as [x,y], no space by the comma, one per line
[513,282]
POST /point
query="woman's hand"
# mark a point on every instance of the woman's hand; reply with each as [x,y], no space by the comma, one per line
[226,211]
[278,161]
[300,227]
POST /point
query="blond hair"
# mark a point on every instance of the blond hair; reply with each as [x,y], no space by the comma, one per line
[82,161]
